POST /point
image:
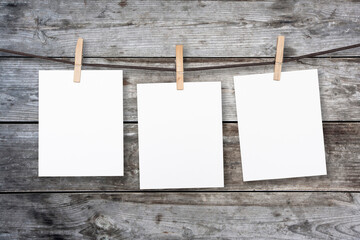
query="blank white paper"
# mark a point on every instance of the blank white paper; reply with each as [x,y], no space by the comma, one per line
[81,124]
[280,126]
[180,135]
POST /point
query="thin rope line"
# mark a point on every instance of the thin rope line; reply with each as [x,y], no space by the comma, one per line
[250,64]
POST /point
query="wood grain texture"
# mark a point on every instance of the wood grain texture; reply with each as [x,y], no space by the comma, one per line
[19,164]
[339,83]
[213,33]
[152,28]
[180,216]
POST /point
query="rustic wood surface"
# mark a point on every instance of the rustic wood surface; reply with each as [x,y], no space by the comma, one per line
[144,32]
[153,28]
[19,152]
[180,216]
[339,83]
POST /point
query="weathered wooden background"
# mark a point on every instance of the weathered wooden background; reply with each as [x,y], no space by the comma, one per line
[213,33]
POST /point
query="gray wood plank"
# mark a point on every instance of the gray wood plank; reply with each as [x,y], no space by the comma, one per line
[153,28]
[339,84]
[19,164]
[180,216]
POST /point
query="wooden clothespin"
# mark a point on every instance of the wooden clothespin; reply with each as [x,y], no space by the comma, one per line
[179,68]
[279,57]
[78,60]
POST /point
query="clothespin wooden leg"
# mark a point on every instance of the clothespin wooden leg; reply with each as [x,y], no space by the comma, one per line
[179,68]
[78,60]
[279,57]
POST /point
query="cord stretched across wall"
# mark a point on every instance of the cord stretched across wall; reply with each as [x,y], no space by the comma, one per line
[291,59]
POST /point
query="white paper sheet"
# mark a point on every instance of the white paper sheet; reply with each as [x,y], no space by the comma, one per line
[180,135]
[81,124]
[280,125]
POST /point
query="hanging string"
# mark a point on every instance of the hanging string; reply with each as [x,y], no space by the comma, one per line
[238,65]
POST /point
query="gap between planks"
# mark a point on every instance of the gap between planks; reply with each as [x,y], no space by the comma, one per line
[169,191]
[136,122]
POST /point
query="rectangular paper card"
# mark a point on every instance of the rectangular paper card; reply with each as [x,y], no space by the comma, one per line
[280,126]
[81,124]
[180,135]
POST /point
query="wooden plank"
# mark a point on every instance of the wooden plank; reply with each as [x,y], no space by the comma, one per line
[19,164]
[152,28]
[340,90]
[180,216]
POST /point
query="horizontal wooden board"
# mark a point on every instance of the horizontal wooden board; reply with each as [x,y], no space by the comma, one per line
[180,216]
[19,164]
[153,28]
[339,83]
